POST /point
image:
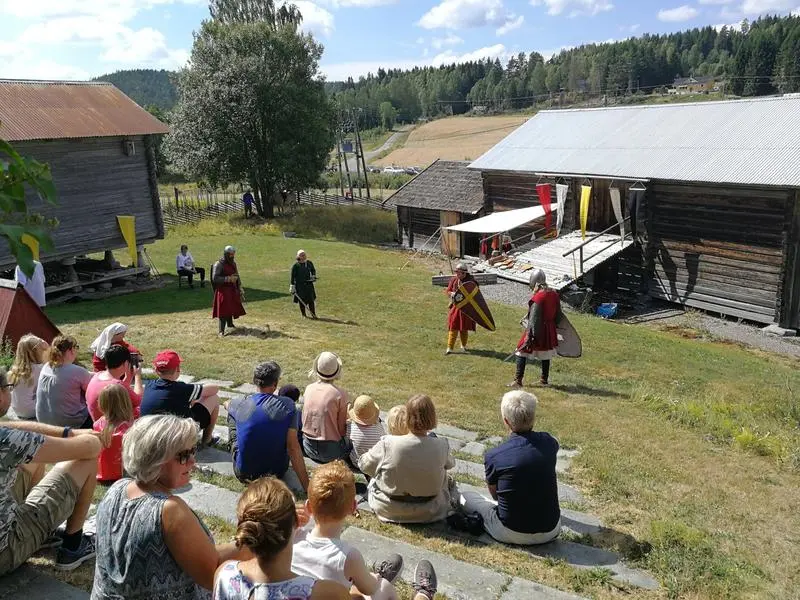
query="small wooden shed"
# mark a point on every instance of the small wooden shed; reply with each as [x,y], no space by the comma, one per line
[446,193]
[20,315]
[719,223]
[100,147]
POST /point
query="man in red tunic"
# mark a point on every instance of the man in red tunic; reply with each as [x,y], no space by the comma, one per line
[458,324]
[540,338]
[228,293]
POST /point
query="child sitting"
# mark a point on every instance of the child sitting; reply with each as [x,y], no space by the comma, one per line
[365,428]
[267,522]
[320,552]
[397,421]
[115,404]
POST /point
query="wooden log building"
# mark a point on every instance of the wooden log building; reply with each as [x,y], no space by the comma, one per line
[446,193]
[100,147]
[719,228]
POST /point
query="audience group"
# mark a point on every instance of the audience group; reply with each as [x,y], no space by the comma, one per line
[140,438]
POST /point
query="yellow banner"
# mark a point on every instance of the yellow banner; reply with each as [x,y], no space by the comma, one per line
[586,197]
[32,243]
[127,225]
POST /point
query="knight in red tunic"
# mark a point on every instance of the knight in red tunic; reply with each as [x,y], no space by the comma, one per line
[228,292]
[540,338]
[458,323]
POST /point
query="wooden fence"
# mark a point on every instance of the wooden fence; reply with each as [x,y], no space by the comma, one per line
[191,209]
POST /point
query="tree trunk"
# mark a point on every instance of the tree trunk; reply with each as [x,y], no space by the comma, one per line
[267,191]
[257,195]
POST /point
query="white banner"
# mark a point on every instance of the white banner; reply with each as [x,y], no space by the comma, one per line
[617,206]
[561,200]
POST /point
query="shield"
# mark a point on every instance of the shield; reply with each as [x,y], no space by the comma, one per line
[470,301]
[569,342]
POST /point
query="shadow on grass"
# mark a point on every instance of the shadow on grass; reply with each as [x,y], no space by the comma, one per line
[486,354]
[261,333]
[336,321]
[585,390]
[166,300]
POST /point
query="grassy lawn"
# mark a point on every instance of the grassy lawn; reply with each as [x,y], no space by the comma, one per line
[689,448]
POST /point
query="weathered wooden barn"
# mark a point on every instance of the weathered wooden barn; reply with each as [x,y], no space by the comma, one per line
[446,193]
[100,147]
[718,226]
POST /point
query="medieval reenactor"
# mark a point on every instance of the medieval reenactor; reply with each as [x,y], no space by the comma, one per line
[543,324]
[467,307]
[301,285]
[228,292]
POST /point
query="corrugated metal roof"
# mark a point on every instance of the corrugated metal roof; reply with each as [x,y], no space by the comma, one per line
[446,185]
[43,110]
[749,142]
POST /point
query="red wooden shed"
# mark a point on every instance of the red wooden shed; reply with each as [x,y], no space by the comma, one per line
[19,314]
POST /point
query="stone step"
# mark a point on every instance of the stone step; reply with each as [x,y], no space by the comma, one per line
[30,583]
[214,460]
[223,383]
[457,580]
[475,469]
[210,499]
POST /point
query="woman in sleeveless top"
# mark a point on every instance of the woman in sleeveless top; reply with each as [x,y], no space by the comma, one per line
[150,544]
[267,522]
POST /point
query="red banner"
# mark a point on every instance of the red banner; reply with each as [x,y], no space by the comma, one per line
[543,189]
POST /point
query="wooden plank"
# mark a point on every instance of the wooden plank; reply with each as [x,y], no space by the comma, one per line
[713,278]
[714,308]
[685,296]
[746,295]
[684,252]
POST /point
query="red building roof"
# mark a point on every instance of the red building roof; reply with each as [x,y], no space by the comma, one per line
[46,110]
[19,314]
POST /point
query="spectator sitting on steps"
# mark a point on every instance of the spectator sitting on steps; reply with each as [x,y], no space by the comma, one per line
[521,475]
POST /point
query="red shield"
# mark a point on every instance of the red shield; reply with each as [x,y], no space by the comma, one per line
[471,302]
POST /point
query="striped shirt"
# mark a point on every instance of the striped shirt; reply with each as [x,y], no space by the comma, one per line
[364,437]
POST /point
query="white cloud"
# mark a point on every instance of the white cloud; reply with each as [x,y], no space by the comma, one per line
[361,3]
[715,2]
[796,12]
[576,8]
[316,19]
[510,26]
[449,57]
[467,14]
[678,15]
[630,28]
[757,7]
[450,39]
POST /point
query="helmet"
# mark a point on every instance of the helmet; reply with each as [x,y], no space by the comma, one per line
[462,266]
[537,278]
[229,250]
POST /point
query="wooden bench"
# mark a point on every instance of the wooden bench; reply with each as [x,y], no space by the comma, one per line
[480,278]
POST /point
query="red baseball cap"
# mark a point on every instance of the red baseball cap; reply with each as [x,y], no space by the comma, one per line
[167,360]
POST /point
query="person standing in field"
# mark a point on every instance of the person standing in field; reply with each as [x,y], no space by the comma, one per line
[458,323]
[228,292]
[247,200]
[301,286]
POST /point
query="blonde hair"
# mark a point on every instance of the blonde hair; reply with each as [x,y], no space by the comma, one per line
[267,518]
[60,346]
[332,491]
[153,441]
[421,414]
[397,420]
[115,404]
[27,355]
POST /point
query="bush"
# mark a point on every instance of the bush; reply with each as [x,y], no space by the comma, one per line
[344,223]
[6,354]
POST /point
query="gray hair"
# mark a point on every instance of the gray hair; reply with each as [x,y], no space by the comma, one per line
[519,409]
[267,374]
[152,442]
[462,266]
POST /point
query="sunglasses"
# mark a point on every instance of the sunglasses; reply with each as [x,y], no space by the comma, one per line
[7,386]
[185,456]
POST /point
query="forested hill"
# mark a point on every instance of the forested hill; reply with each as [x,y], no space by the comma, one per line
[146,87]
[752,59]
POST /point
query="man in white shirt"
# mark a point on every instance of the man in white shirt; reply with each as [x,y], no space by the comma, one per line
[33,285]
[187,268]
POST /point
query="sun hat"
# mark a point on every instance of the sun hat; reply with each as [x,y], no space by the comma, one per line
[364,411]
[166,360]
[327,366]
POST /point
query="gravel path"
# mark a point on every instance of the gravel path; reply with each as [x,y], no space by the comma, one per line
[507,292]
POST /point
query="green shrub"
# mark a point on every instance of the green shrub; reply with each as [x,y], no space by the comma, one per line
[344,223]
[6,354]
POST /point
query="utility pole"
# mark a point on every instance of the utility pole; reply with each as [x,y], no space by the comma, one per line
[346,166]
[339,157]
[358,164]
[361,154]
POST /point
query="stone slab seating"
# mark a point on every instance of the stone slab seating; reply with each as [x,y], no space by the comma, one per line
[31,584]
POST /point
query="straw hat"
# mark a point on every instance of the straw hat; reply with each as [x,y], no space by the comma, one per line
[327,366]
[364,411]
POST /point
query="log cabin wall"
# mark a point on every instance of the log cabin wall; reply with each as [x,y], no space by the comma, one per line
[417,225]
[95,181]
[720,249]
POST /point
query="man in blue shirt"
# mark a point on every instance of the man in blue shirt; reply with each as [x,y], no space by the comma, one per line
[263,433]
[521,476]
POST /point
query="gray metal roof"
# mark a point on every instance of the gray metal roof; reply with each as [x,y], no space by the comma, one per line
[749,142]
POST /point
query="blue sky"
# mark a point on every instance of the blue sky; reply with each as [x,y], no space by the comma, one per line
[78,39]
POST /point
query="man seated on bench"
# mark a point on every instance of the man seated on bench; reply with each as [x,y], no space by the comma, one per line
[32,504]
[187,268]
[521,475]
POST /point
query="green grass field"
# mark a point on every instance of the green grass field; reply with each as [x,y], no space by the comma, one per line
[689,448]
